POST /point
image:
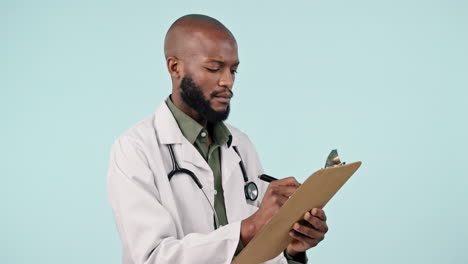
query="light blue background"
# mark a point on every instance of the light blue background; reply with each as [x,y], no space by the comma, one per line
[385,82]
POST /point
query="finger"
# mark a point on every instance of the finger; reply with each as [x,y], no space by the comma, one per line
[286,181]
[309,231]
[319,213]
[307,241]
[285,190]
[279,199]
[316,222]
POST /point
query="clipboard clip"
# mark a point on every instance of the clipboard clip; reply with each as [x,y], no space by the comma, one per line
[333,160]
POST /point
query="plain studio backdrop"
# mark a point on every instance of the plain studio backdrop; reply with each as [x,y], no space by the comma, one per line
[385,82]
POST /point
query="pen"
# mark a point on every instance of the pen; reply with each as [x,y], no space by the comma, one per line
[267,178]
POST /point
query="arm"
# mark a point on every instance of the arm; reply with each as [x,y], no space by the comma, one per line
[271,199]
[306,233]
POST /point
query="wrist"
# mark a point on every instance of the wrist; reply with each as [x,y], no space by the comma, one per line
[291,252]
[248,229]
[300,257]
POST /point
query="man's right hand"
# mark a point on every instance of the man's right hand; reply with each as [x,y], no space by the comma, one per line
[276,195]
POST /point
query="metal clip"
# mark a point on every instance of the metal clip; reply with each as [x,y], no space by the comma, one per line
[333,160]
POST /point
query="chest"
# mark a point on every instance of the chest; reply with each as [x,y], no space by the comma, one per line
[193,206]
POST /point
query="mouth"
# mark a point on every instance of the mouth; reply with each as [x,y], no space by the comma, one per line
[224,98]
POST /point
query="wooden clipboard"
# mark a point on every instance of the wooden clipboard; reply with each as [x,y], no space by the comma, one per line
[315,192]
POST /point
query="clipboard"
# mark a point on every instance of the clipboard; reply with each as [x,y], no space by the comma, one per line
[315,192]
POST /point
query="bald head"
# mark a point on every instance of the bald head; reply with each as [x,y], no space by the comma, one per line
[187,31]
[202,59]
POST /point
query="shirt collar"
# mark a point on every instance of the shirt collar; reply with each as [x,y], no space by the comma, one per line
[191,129]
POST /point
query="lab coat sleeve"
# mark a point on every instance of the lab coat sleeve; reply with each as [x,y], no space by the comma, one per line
[147,229]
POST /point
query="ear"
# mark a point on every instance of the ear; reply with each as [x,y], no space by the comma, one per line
[174,66]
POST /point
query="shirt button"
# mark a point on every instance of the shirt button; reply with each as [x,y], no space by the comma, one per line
[215,192]
[203,134]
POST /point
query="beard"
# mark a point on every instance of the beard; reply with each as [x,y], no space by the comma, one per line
[192,95]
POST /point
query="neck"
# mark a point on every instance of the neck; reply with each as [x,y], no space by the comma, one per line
[179,103]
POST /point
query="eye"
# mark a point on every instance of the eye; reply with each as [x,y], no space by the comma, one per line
[212,70]
[233,71]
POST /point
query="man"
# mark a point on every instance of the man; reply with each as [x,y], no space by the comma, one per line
[177,179]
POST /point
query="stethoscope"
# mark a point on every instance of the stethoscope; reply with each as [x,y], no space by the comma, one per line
[250,188]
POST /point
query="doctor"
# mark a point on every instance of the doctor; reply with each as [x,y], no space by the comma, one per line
[177,180]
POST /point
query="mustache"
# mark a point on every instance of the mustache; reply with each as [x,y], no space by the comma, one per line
[223,93]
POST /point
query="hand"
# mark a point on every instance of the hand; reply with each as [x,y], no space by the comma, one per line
[308,232]
[276,195]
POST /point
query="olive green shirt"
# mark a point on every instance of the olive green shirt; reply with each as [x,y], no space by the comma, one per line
[198,136]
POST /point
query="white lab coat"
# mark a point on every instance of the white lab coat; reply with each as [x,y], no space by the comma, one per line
[163,222]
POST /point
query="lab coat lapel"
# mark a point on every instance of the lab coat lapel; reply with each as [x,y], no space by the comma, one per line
[193,160]
[232,182]
[189,158]
[229,163]
[166,126]
[186,154]
[191,155]
[170,133]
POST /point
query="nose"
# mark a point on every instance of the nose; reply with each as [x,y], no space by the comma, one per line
[227,79]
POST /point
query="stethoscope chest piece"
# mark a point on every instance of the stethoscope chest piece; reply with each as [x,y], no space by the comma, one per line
[250,188]
[251,191]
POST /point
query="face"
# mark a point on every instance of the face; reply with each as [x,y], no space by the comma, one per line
[208,76]
[193,96]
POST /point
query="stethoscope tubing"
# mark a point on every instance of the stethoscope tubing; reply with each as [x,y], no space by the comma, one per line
[250,188]
[177,169]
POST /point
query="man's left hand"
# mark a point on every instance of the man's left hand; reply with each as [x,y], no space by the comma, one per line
[308,232]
